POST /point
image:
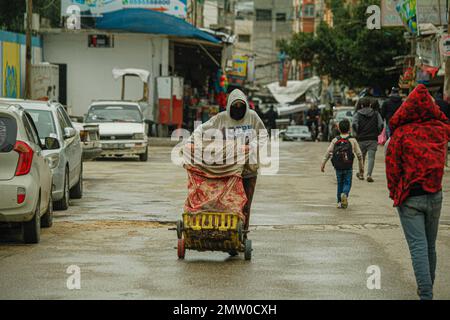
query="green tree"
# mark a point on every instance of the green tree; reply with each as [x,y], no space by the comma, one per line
[348,51]
[12,13]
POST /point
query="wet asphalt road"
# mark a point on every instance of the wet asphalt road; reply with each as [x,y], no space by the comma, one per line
[304,248]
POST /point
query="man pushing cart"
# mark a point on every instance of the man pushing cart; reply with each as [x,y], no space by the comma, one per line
[222,162]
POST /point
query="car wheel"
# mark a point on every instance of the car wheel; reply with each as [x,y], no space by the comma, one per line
[144,156]
[77,191]
[32,228]
[63,204]
[47,218]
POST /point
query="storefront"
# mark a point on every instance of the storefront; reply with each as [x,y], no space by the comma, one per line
[200,65]
[163,45]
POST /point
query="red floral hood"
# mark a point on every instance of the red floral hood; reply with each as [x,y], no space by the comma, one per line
[416,153]
[418,107]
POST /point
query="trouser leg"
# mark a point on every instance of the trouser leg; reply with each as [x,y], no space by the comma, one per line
[412,219]
[347,182]
[340,184]
[249,188]
[431,228]
[371,154]
[363,147]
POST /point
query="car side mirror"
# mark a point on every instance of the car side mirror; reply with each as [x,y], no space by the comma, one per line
[51,143]
[69,133]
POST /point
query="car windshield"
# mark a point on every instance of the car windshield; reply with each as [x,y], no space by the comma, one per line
[116,113]
[344,114]
[44,123]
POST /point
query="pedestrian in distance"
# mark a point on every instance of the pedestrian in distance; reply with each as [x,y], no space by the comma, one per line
[389,107]
[367,126]
[415,159]
[443,105]
[342,151]
[312,121]
[272,117]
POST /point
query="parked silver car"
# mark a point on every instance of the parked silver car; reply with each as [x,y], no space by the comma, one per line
[51,120]
[25,176]
[297,133]
[339,114]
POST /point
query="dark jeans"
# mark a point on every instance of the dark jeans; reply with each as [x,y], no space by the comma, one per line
[344,182]
[419,217]
[249,188]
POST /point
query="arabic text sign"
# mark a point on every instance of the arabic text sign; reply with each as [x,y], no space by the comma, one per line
[97,7]
[239,66]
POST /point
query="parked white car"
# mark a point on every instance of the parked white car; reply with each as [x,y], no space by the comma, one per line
[25,176]
[122,128]
[51,120]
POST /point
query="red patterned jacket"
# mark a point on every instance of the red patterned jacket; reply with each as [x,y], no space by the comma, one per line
[417,149]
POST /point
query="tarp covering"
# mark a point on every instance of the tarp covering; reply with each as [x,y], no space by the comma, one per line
[148,21]
[293,90]
[212,194]
[291,109]
[141,73]
[214,179]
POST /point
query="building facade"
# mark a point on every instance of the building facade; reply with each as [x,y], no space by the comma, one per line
[259,25]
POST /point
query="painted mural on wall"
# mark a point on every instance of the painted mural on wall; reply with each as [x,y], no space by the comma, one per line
[11,70]
[12,62]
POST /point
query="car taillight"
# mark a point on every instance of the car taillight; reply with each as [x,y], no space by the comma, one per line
[20,195]
[83,135]
[25,158]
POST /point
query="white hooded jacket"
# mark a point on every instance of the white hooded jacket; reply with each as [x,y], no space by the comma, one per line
[250,123]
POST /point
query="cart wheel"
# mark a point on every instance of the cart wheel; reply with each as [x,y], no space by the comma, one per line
[181,249]
[248,250]
[233,253]
[179,229]
[240,231]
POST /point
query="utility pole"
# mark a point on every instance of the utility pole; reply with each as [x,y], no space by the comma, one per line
[28,49]
[195,13]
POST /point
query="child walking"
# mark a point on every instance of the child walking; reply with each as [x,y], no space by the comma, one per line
[342,151]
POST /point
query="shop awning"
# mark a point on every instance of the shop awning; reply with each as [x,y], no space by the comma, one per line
[148,21]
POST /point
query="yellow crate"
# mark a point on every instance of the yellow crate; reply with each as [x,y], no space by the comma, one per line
[212,231]
[211,221]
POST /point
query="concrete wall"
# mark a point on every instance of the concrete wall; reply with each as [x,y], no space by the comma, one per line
[12,62]
[244,27]
[210,13]
[89,70]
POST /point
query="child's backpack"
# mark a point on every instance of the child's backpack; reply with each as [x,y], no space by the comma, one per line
[342,154]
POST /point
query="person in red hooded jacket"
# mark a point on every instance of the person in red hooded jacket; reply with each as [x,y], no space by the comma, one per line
[415,159]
